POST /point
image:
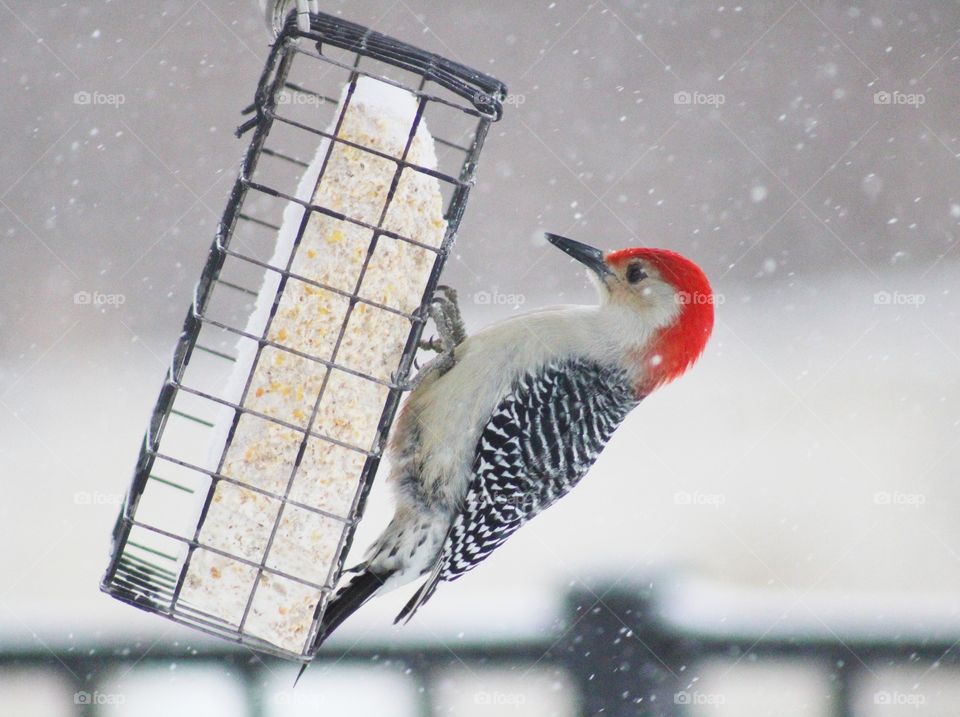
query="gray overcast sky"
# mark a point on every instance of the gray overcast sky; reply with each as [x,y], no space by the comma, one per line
[783,162]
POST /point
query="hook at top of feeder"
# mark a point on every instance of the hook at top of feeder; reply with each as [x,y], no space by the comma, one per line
[276,11]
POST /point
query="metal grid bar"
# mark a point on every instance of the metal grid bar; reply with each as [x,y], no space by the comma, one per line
[272,419]
[134,576]
[340,216]
[323,98]
[213,475]
[227,554]
[484,92]
[343,328]
[238,413]
[413,317]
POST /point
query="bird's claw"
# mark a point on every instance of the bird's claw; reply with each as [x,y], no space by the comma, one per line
[445,312]
[407,384]
[432,344]
[445,292]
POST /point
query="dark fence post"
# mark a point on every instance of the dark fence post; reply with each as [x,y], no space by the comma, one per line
[843,674]
[249,670]
[80,675]
[617,654]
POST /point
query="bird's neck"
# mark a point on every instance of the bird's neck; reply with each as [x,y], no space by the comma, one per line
[672,349]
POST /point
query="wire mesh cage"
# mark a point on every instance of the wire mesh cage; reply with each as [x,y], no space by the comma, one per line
[294,356]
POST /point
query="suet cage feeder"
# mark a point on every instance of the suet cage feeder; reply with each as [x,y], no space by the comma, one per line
[241,511]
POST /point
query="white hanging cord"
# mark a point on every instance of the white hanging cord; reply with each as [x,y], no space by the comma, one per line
[275,12]
[303,14]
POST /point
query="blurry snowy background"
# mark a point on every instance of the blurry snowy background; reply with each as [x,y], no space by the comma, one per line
[804,153]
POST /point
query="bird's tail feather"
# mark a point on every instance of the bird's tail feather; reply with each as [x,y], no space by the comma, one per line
[347,601]
[421,596]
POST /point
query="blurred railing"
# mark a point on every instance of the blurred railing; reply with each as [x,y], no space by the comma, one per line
[626,650]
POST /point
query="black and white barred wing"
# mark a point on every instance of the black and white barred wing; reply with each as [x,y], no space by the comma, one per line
[540,441]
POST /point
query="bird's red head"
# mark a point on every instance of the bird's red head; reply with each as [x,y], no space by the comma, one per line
[671,294]
[677,345]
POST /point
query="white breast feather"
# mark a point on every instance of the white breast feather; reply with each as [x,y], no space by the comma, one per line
[451,411]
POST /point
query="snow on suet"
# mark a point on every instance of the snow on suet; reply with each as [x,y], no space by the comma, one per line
[285,385]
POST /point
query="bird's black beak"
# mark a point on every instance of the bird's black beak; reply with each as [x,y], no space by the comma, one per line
[584,253]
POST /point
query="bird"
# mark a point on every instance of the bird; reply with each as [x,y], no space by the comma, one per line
[505,422]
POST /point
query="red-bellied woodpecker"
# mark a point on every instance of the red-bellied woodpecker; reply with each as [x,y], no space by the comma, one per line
[504,423]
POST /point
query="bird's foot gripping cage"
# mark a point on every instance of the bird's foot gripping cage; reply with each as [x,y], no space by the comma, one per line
[293,358]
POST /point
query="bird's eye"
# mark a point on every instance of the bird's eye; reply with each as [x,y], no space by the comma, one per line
[635,274]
